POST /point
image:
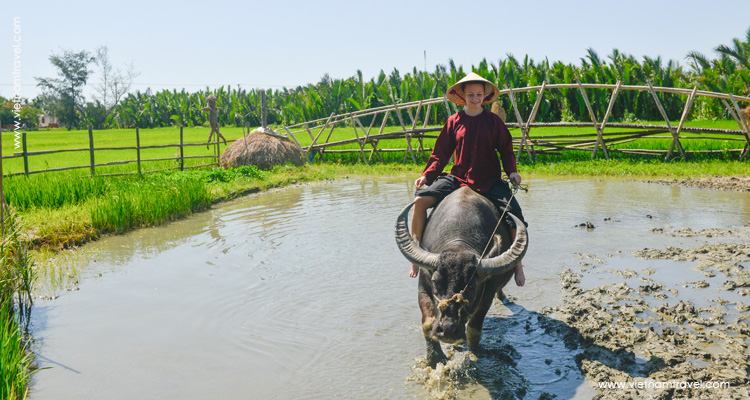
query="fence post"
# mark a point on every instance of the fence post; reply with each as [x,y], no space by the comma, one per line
[182,153]
[25,154]
[138,149]
[91,150]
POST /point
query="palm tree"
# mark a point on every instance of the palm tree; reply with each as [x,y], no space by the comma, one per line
[740,51]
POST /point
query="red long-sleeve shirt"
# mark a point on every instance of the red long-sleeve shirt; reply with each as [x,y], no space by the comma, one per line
[476,142]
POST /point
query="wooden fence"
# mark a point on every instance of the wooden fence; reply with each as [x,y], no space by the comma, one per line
[413,128]
[91,149]
[416,128]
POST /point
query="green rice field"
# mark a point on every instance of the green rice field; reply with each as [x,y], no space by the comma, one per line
[78,139]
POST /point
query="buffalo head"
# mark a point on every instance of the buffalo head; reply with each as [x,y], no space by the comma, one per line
[453,280]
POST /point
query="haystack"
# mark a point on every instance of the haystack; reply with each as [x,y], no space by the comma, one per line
[262,148]
[498,109]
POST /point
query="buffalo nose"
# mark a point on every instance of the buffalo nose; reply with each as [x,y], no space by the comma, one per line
[446,331]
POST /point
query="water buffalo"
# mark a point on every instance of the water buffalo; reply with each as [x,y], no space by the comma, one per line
[456,288]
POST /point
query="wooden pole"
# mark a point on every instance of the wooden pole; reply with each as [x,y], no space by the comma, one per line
[521,125]
[532,117]
[447,106]
[374,143]
[359,142]
[367,133]
[538,102]
[25,154]
[675,138]
[610,107]
[406,135]
[328,121]
[91,150]
[182,149]
[685,113]
[307,128]
[427,116]
[599,138]
[745,129]
[288,132]
[138,149]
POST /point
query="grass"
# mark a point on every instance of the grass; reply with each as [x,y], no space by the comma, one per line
[15,359]
[16,279]
[147,202]
[58,139]
[63,139]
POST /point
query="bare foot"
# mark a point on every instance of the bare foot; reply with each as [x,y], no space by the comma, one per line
[519,276]
[413,271]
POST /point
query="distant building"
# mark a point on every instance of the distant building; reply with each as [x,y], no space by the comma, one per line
[48,121]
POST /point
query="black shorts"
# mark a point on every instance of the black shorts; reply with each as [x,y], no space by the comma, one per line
[499,195]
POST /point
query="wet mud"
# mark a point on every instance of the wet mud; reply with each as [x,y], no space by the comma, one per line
[657,328]
[730,183]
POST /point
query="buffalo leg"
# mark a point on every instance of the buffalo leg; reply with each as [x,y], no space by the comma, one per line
[474,327]
[435,353]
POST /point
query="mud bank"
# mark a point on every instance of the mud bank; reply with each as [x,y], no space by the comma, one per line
[645,328]
[730,183]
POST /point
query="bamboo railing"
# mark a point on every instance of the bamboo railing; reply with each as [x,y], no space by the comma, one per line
[415,128]
[598,140]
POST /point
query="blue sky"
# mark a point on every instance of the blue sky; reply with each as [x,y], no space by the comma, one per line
[191,45]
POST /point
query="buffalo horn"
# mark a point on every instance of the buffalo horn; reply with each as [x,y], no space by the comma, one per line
[409,247]
[508,260]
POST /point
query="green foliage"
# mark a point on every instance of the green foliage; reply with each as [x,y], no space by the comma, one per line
[95,115]
[67,90]
[318,101]
[216,175]
[16,281]
[58,190]
[53,190]
[147,202]
[27,115]
[15,359]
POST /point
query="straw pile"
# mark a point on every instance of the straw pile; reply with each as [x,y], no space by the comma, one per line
[499,110]
[262,148]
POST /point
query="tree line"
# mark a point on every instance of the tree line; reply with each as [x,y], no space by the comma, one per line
[728,72]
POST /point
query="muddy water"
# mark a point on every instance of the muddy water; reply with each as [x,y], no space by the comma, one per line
[302,293]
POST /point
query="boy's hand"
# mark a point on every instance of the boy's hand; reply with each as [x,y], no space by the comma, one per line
[515,178]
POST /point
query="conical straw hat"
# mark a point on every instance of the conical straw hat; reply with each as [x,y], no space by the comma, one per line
[456,93]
